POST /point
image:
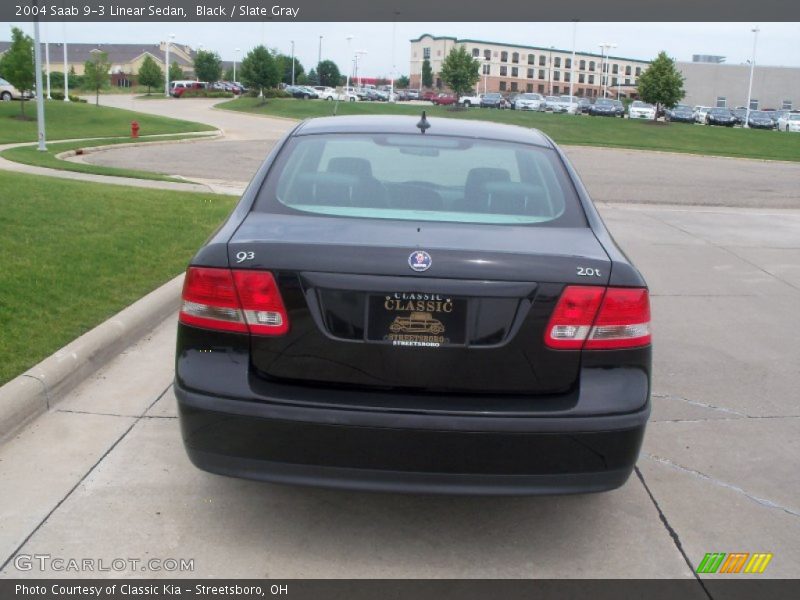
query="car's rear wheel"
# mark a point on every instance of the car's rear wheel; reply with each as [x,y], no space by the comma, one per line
[352,99]
[329,98]
[5,96]
[787,129]
[467,103]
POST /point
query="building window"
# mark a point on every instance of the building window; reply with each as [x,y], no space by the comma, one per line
[503,71]
[515,57]
[557,61]
[787,105]
[581,78]
[556,75]
[504,56]
[513,86]
[591,65]
[476,53]
[638,71]
[613,81]
[486,69]
[566,76]
[615,69]
[582,65]
[502,86]
[541,74]
[541,88]
[753,104]
[426,53]
[542,60]
[556,90]
[568,63]
[531,59]
[514,72]
[487,54]
[722,102]
[529,87]
[627,81]
[591,79]
[530,73]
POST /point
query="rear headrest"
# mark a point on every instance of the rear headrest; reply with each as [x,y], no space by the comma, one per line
[475,195]
[359,167]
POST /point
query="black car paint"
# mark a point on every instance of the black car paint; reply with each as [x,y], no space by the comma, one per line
[238,420]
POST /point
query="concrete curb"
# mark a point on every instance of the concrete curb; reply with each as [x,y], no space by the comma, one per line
[200,137]
[45,384]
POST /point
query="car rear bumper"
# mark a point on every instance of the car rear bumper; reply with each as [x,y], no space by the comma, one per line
[409,452]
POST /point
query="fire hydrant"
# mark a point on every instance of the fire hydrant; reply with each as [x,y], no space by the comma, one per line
[134,129]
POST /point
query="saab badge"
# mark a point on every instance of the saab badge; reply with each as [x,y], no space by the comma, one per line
[419,261]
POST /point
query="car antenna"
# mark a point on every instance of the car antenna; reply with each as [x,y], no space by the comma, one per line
[423,123]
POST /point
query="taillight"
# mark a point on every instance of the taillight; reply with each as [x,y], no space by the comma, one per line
[226,300]
[596,318]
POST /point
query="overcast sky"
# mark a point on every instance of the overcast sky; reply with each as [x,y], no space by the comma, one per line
[778,43]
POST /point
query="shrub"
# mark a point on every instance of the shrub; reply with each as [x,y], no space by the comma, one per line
[206,94]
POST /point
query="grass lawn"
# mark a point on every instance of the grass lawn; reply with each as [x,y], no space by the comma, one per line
[565,129]
[30,155]
[71,120]
[75,253]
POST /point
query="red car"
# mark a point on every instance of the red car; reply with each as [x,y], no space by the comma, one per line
[429,96]
[444,99]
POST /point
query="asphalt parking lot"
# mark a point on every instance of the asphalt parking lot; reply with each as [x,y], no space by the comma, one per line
[103,474]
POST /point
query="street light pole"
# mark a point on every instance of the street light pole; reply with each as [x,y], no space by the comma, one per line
[394,64]
[37,57]
[292,62]
[349,70]
[47,63]
[755,31]
[319,61]
[486,72]
[166,65]
[235,56]
[66,72]
[550,74]
[572,64]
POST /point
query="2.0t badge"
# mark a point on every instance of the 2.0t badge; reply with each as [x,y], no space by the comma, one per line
[419,261]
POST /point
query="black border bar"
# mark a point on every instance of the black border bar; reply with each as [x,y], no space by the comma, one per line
[420,11]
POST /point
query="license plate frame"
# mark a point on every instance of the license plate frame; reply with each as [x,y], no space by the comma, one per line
[416,319]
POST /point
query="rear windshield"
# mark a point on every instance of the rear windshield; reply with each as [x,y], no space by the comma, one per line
[421,178]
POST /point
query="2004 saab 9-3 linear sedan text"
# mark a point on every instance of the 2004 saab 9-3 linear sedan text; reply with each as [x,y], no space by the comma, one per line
[415,305]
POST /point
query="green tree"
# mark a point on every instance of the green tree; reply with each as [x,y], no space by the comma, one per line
[402,82]
[460,71]
[259,70]
[427,73]
[150,74]
[329,73]
[285,67]
[661,83]
[207,66]
[17,65]
[95,74]
[313,79]
[175,71]
[228,75]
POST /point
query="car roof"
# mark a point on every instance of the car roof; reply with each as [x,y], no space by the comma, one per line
[438,126]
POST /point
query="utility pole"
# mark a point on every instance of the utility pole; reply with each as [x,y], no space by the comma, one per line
[47,63]
[292,62]
[572,64]
[66,72]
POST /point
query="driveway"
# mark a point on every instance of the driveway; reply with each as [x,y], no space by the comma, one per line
[103,474]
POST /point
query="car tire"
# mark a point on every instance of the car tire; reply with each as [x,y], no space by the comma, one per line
[467,104]
[787,129]
[5,96]
[352,99]
[329,98]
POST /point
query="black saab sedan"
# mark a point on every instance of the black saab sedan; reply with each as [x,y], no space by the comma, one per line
[760,120]
[681,113]
[405,304]
[603,107]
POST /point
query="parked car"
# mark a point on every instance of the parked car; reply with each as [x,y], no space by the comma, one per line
[530,101]
[376,95]
[603,107]
[740,114]
[474,100]
[567,105]
[641,110]
[412,94]
[8,92]
[429,95]
[680,113]
[528,370]
[620,108]
[325,92]
[760,120]
[789,122]
[583,105]
[302,92]
[550,102]
[777,114]
[720,116]
[700,114]
[444,100]
[492,100]
[178,88]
